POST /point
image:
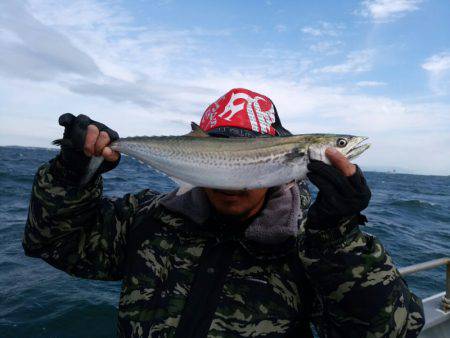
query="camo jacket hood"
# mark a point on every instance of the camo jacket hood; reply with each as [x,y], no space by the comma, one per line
[277,222]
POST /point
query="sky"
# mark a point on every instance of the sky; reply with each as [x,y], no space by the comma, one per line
[377,68]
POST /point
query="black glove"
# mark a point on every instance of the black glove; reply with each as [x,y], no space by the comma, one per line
[72,156]
[339,197]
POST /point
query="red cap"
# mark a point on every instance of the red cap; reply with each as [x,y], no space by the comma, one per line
[241,108]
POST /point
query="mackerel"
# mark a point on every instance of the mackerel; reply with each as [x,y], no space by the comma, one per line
[233,163]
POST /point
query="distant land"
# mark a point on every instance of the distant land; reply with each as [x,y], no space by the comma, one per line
[391,170]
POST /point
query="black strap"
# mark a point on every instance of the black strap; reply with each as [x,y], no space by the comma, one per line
[306,292]
[205,290]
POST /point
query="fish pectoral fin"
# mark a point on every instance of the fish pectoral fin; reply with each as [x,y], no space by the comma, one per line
[197,131]
[183,187]
[318,154]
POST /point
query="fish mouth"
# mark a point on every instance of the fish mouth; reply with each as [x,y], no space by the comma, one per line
[358,148]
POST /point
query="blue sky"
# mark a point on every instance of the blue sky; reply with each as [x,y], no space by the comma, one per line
[379,68]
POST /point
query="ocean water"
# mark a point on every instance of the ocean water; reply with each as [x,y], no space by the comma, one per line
[410,214]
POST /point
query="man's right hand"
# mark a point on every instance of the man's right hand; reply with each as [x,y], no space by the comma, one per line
[84,138]
[96,144]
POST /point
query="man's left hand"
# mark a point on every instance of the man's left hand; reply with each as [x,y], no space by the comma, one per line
[343,190]
[340,162]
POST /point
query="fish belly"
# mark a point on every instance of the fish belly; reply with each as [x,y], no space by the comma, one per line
[229,175]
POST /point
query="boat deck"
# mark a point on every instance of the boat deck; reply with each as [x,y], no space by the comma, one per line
[436,307]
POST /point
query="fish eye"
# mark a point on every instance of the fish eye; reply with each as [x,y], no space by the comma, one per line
[341,142]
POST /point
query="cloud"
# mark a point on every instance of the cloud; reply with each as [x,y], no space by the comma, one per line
[120,46]
[397,130]
[356,62]
[147,80]
[370,84]
[438,68]
[438,63]
[388,10]
[327,47]
[323,29]
[322,34]
[95,49]
[32,50]
[281,28]
[178,98]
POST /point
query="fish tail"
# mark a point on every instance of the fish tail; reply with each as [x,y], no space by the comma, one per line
[94,163]
[92,168]
[62,142]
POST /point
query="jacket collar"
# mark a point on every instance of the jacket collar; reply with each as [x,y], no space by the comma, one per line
[276,223]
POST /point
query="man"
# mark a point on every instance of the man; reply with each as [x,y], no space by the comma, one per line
[218,263]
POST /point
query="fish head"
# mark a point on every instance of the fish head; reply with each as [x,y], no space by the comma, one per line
[348,145]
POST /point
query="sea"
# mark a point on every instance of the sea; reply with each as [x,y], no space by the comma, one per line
[410,214]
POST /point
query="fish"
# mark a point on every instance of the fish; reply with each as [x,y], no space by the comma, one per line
[197,159]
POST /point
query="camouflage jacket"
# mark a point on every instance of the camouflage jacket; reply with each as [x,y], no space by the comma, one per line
[181,278]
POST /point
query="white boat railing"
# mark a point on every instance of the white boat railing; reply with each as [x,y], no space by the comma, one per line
[408,270]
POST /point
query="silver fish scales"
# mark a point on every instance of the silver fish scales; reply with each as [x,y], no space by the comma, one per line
[234,163]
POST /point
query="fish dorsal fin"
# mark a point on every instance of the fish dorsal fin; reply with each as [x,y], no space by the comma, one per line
[197,131]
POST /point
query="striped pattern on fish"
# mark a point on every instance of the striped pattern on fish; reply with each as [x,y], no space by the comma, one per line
[233,163]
